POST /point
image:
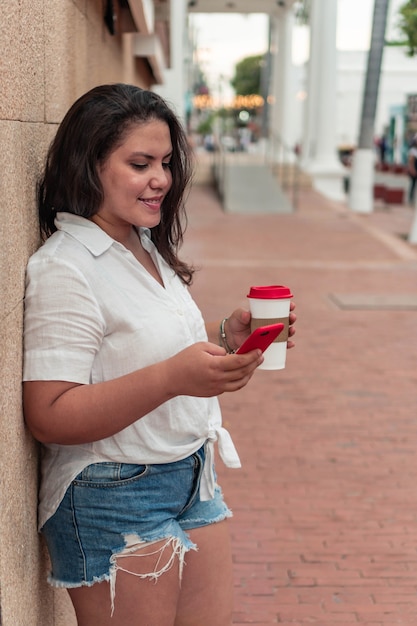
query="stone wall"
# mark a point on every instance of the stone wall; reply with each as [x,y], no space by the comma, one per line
[51,52]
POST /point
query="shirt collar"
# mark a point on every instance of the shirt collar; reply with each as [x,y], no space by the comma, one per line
[94,238]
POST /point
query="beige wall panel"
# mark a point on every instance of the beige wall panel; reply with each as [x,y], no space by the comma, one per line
[22,561]
[21,554]
[55,51]
[12,212]
[65,56]
[105,55]
[64,613]
[22,67]
[35,142]
[80,53]
[117,63]
[82,5]
[31,60]
[21,157]
[10,104]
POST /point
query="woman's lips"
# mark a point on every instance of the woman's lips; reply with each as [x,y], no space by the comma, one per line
[152,203]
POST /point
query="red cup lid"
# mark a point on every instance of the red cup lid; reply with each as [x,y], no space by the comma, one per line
[270,292]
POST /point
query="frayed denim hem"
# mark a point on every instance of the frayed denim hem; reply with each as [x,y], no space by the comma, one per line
[200,522]
[134,547]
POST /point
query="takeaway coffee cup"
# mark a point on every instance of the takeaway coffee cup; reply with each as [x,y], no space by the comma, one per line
[270,304]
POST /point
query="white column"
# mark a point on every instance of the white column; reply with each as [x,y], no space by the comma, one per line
[412,236]
[320,148]
[174,87]
[309,143]
[282,88]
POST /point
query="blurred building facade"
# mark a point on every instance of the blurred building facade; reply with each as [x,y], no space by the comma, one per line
[52,52]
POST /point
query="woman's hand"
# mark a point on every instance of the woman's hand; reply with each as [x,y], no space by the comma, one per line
[291,330]
[237,327]
[205,369]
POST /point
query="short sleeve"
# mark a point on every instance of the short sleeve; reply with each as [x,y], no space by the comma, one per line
[63,325]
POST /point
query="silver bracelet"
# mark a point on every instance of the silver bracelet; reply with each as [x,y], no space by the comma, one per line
[223,339]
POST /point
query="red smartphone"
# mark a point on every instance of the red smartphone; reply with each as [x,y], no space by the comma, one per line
[261,338]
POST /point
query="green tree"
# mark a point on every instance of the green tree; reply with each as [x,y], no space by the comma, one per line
[302,11]
[247,78]
[407,24]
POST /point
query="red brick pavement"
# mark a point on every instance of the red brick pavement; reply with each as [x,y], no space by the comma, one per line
[325,505]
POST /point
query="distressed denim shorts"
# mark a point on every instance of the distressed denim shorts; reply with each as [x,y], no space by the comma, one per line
[113,509]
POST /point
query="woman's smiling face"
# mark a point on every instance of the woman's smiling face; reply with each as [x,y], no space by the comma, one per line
[136,178]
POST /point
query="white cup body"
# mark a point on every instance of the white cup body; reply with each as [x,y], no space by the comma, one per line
[273,309]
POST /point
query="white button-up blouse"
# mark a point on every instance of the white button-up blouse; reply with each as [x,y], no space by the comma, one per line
[93,313]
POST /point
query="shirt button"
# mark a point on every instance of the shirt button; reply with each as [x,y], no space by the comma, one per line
[180,312]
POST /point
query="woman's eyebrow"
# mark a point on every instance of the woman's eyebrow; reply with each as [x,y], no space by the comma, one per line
[135,155]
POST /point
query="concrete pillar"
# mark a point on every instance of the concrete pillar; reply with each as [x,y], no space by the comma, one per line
[282,89]
[320,147]
[311,103]
[362,174]
[174,88]
[412,236]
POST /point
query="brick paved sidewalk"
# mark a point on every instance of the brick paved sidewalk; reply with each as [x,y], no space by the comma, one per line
[325,506]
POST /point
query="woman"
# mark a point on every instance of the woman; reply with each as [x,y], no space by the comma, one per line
[121,374]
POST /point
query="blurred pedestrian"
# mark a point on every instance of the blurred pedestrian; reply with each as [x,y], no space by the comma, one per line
[382,147]
[412,169]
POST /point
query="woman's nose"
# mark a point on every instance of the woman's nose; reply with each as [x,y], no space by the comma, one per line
[161,176]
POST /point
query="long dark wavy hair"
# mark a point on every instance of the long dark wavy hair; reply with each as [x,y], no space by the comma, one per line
[93,127]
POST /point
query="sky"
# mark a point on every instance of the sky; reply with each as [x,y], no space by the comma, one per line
[225,39]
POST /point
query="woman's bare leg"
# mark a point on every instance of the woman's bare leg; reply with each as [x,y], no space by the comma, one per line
[206,597]
[138,601]
[203,598]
